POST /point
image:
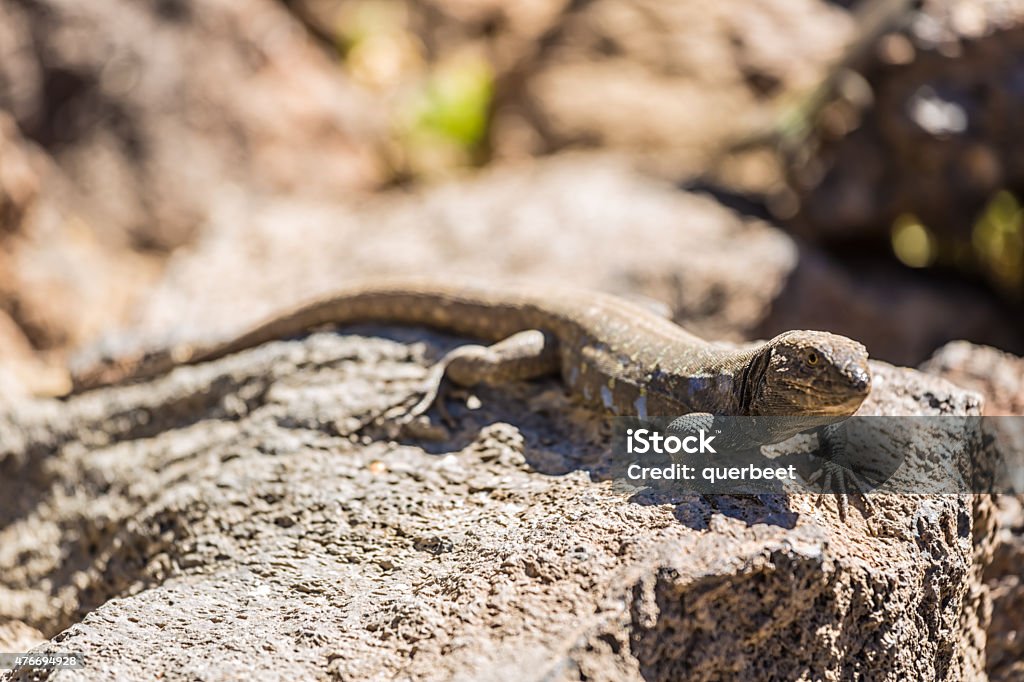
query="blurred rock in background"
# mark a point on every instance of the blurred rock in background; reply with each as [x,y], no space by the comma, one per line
[921,157]
[671,80]
[151,109]
[123,124]
[591,220]
[172,138]
[60,285]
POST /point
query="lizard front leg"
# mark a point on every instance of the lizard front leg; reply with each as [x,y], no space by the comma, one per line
[834,472]
[525,355]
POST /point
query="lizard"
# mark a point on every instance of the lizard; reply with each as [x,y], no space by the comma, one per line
[610,352]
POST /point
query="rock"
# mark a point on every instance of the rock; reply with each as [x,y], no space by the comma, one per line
[693,77]
[16,637]
[156,109]
[997,375]
[59,283]
[19,177]
[582,75]
[1005,648]
[587,219]
[248,514]
[1000,378]
[123,126]
[935,155]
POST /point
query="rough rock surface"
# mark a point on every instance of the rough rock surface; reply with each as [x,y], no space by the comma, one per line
[999,377]
[588,219]
[1005,648]
[996,375]
[251,514]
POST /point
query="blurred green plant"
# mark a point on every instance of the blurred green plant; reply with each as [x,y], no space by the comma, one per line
[454,103]
[912,242]
[439,105]
[996,248]
[998,242]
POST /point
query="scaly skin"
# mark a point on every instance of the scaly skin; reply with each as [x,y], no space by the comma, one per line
[610,352]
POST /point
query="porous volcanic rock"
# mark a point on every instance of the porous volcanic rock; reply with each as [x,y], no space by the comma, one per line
[999,377]
[256,514]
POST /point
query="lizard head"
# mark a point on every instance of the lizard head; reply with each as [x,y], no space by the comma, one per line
[809,373]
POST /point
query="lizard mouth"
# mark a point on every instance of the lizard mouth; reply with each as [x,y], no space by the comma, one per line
[847,407]
[849,399]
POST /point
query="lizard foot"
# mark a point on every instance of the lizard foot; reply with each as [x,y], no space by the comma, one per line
[434,393]
[843,482]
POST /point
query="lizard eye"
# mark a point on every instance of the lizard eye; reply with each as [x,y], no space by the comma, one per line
[812,358]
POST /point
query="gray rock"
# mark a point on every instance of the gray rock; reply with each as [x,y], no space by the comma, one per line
[251,517]
[997,375]
[1000,378]
[1004,650]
